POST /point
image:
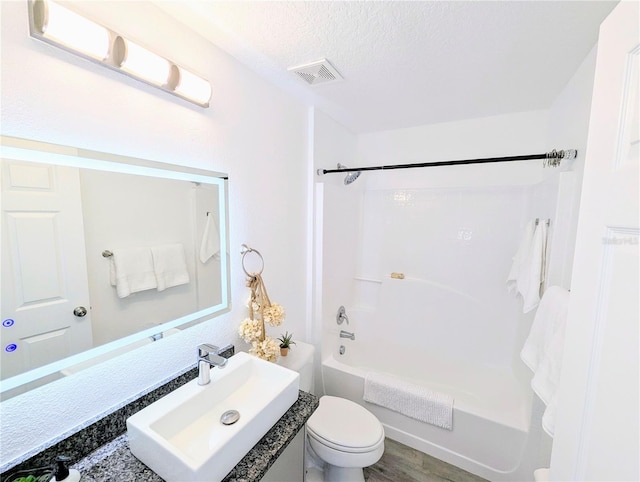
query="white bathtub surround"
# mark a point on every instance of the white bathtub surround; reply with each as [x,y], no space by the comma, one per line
[409,399]
[491,411]
[542,352]
[520,257]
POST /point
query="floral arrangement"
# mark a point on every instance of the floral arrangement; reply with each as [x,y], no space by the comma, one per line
[261,311]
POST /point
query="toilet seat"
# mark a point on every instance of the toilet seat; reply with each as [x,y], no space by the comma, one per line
[345,426]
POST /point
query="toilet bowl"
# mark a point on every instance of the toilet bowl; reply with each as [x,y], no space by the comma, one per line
[345,436]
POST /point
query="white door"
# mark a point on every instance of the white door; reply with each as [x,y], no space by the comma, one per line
[44,273]
[597,427]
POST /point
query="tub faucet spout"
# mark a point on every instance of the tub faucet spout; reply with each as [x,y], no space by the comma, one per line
[208,357]
[347,334]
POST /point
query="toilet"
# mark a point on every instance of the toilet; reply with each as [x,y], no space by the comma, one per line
[344,435]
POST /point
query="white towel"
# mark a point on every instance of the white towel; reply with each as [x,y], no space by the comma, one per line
[409,399]
[170,265]
[549,416]
[527,273]
[210,245]
[131,270]
[542,352]
[531,273]
[550,317]
[519,259]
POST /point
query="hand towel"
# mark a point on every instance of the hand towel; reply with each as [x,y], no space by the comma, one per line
[546,380]
[532,270]
[170,265]
[131,270]
[409,399]
[549,416]
[518,260]
[543,350]
[210,245]
[551,315]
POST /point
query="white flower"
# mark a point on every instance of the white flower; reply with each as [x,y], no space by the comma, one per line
[268,349]
[274,314]
[250,330]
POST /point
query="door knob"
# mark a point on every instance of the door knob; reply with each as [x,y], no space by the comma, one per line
[80,311]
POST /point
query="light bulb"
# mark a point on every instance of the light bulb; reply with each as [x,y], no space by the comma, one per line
[75,31]
[144,63]
[193,86]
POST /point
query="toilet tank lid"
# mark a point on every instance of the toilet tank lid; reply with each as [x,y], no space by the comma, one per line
[301,354]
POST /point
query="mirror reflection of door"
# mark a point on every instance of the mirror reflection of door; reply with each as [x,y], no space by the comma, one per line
[44,270]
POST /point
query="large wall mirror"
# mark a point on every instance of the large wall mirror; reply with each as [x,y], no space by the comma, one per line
[102,254]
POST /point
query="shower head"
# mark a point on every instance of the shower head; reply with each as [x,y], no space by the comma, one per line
[351,176]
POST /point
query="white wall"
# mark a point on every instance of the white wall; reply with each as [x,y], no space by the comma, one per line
[335,232]
[567,129]
[252,131]
[504,135]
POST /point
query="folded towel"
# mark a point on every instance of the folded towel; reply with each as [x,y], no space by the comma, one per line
[527,273]
[170,265]
[532,270]
[210,245]
[131,270]
[409,399]
[543,349]
[520,257]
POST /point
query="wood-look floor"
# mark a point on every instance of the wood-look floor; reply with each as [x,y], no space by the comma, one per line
[400,463]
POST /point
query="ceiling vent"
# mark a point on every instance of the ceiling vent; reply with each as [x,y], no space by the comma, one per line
[320,72]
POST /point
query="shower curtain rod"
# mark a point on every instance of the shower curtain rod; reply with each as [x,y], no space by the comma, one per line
[552,159]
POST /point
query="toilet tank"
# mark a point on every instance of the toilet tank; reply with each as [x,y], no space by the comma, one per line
[300,359]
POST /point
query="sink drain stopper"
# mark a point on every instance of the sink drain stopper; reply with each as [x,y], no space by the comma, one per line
[230,417]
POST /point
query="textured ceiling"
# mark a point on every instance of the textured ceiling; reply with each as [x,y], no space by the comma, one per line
[408,63]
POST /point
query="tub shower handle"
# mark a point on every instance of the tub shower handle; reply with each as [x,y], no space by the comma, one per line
[342,316]
[347,334]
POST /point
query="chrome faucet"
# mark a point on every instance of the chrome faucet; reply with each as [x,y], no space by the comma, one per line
[208,357]
[347,334]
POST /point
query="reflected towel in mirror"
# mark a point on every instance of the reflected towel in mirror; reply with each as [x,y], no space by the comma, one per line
[170,265]
[131,270]
[210,245]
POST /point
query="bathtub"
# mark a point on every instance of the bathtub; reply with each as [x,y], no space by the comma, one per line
[491,416]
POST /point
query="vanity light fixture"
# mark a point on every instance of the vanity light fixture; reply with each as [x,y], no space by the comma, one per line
[57,25]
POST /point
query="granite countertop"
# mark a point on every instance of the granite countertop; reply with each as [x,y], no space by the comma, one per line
[115,462]
[102,449]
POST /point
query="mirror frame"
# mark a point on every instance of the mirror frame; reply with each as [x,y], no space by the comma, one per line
[13,148]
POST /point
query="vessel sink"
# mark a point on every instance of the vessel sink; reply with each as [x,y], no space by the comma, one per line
[181,436]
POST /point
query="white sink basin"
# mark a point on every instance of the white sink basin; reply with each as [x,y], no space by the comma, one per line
[181,437]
